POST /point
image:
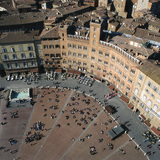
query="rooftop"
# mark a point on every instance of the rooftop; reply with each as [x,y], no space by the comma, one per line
[21,36]
[50,33]
[151,70]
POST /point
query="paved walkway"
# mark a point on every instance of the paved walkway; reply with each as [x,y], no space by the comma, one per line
[53,125]
[136,128]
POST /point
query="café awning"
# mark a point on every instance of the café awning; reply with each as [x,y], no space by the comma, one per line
[59,70]
[130,105]
[143,117]
[111,87]
[124,99]
[109,109]
[155,130]
[97,78]
[147,123]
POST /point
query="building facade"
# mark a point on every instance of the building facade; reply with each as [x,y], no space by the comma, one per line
[146,93]
[95,57]
[22,54]
[50,41]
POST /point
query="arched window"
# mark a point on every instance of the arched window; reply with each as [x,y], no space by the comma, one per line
[155,107]
[136,91]
[149,103]
[144,98]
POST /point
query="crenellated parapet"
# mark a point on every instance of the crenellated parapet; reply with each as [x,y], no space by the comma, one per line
[130,57]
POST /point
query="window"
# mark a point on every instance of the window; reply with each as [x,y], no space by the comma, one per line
[100,53]
[134,98]
[45,46]
[69,53]
[105,63]
[62,34]
[38,47]
[57,46]
[58,55]
[74,46]
[149,103]
[51,55]
[120,72]
[74,54]
[99,60]
[129,80]
[132,71]
[4,50]
[141,105]
[158,100]
[146,109]
[6,57]
[98,69]
[149,84]
[46,55]
[138,84]
[74,62]
[25,64]
[122,84]
[84,56]
[93,50]
[115,77]
[113,58]
[79,47]
[33,63]
[118,80]
[64,62]
[144,98]
[84,64]
[136,91]
[104,71]
[93,42]
[14,56]
[122,64]
[126,67]
[92,66]
[17,65]
[116,69]
[9,65]
[140,77]
[118,60]
[155,108]
[85,48]
[51,46]
[79,63]
[63,54]
[23,55]
[41,61]
[21,48]
[69,45]
[94,29]
[94,36]
[111,66]
[79,55]
[30,48]
[69,61]
[12,49]
[39,52]
[124,76]
[147,90]
[155,88]
[152,95]
[107,55]
[31,55]
[92,58]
